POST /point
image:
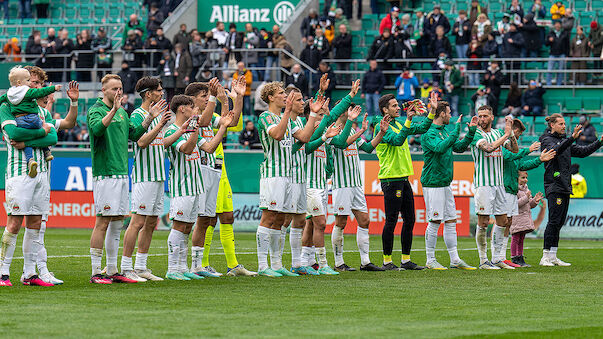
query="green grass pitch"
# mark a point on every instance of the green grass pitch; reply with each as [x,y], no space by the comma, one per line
[525,303]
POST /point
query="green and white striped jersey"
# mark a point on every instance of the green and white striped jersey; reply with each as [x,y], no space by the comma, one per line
[316,165]
[278,159]
[185,173]
[207,133]
[347,165]
[488,166]
[149,162]
[299,157]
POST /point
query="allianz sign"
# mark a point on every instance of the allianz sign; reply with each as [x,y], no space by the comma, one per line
[233,13]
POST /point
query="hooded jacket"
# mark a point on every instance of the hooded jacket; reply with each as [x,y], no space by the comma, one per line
[531,34]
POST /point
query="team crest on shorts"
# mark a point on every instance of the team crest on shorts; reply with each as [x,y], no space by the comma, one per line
[315,209]
[179,213]
[481,208]
[273,203]
[107,207]
[341,208]
[142,207]
[559,201]
[435,214]
[399,193]
[16,207]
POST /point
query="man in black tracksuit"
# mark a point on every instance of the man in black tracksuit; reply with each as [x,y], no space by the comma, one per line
[558,180]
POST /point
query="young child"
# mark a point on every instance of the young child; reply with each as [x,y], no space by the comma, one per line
[425,90]
[22,102]
[523,223]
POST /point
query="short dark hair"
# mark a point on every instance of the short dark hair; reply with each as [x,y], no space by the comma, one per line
[384,101]
[486,108]
[181,100]
[194,88]
[146,84]
[292,88]
[519,125]
[441,108]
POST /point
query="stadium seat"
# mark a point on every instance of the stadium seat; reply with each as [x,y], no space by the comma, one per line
[580,5]
[539,125]
[592,105]
[527,122]
[572,105]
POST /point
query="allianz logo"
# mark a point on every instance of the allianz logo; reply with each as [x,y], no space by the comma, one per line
[233,13]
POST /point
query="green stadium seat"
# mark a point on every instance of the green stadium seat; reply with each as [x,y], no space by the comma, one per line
[597,122]
[527,139]
[495,7]
[580,5]
[597,4]
[573,105]
[591,104]
[528,122]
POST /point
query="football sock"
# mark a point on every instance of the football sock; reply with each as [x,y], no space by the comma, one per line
[503,247]
[362,240]
[96,257]
[405,258]
[283,240]
[126,263]
[337,242]
[112,245]
[306,253]
[546,254]
[263,243]
[450,241]
[553,253]
[482,243]
[9,242]
[141,261]
[312,260]
[295,237]
[42,255]
[322,257]
[498,233]
[228,244]
[29,256]
[431,240]
[197,256]
[173,250]
[209,237]
[387,259]
[276,262]
[183,258]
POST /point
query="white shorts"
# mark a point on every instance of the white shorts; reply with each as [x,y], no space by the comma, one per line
[298,195]
[184,209]
[317,201]
[111,196]
[490,200]
[511,202]
[208,199]
[348,199]
[27,196]
[147,198]
[275,194]
[439,203]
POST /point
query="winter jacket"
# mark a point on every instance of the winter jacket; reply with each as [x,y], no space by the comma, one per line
[486,28]
[429,27]
[513,50]
[250,136]
[128,80]
[533,97]
[310,56]
[455,78]
[373,81]
[402,49]
[167,78]
[307,26]
[183,38]
[184,69]
[518,10]
[595,36]
[285,60]
[381,48]
[301,83]
[557,12]
[495,80]
[248,79]
[387,23]
[523,221]
[474,54]
[557,174]
[538,13]
[567,23]
[474,12]
[154,22]
[589,133]
[490,48]
[323,46]
[443,45]
[343,46]
[489,99]
[405,88]
[463,36]
[579,46]
[195,48]
[138,25]
[513,100]
[531,34]
[84,60]
[560,43]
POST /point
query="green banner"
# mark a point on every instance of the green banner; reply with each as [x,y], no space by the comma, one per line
[260,14]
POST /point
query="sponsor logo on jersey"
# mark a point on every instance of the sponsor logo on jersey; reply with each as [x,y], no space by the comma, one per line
[193,156]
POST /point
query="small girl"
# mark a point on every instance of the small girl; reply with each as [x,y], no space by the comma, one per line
[523,223]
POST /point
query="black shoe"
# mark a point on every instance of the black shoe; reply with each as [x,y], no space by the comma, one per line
[371,267]
[516,260]
[409,265]
[390,267]
[344,267]
[523,262]
[315,266]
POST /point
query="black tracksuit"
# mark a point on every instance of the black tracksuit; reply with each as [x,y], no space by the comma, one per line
[558,180]
[399,200]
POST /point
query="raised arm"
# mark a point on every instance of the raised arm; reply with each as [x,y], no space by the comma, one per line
[313,145]
[383,126]
[489,147]
[277,132]
[225,120]
[548,143]
[170,139]
[159,108]
[189,145]
[37,93]
[460,146]
[208,112]
[584,151]
[352,138]
[237,93]
[305,134]
[70,120]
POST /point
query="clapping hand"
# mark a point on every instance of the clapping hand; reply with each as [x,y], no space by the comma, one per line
[158,108]
[547,155]
[577,131]
[333,130]
[534,146]
[73,90]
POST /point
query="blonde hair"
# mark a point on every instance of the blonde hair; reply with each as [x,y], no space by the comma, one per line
[108,77]
[270,89]
[17,74]
[37,71]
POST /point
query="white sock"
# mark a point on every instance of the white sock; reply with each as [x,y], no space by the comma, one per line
[173,242]
[482,243]
[29,256]
[312,260]
[553,253]
[141,261]
[126,263]
[96,258]
[9,242]
[112,245]
[503,248]
[498,233]
[546,254]
[337,242]
[306,254]
[295,236]
[262,236]
[283,240]
[431,240]
[322,257]
[450,241]
[42,255]
[196,257]
[276,262]
[362,240]
[183,258]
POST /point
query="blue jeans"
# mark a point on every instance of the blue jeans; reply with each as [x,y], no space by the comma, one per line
[29,121]
[246,105]
[372,103]
[555,64]
[528,54]
[461,51]
[270,60]
[4,5]
[532,111]
[24,8]
[453,100]
[473,79]
[261,63]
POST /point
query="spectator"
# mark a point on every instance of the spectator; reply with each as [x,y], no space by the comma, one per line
[263,57]
[589,133]
[419,36]
[259,106]
[373,83]
[579,49]
[558,41]
[531,100]
[474,52]
[482,97]
[453,83]
[491,47]
[568,21]
[512,45]
[195,48]
[481,28]
[382,47]
[513,102]
[322,44]
[182,37]
[41,8]
[595,42]
[493,79]
[437,90]
[280,42]
[390,22]
[128,78]
[102,43]
[439,66]
[52,60]
[128,103]
[309,24]
[244,72]
[327,29]
[343,50]
[462,31]
[214,58]
[12,50]
[323,68]
[204,75]
[220,34]
[435,19]
[250,138]
[34,45]
[168,7]
[136,25]
[310,55]
[25,9]
[182,68]
[234,41]
[251,40]
[402,36]
[531,37]
[166,74]
[131,49]
[557,11]
[502,28]
[4,5]
[538,10]
[441,44]
[64,46]
[297,79]
[340,19]
[84,60]
[155,19]
[516,12]
[475,11]
[104,62]
[405,86]
[426,88]
[158,42]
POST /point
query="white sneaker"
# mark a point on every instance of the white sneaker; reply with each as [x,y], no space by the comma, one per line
[434,265]
[213,270]
[130,274]
[50,278]
[559,262]
[488,266]
[239,270]
[501,264]
[545,261]
[146,274]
